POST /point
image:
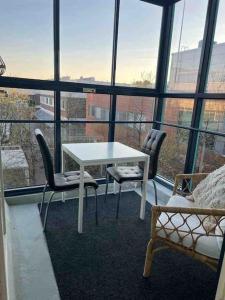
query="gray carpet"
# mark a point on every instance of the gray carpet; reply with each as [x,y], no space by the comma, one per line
[106,262]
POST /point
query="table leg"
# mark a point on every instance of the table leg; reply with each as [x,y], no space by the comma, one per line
[63,170]
[115,184]
[144,189]
[81,200]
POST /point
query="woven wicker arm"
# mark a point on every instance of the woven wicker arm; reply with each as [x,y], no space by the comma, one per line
[202,214]
[185,183]
[164,230]
[180,228]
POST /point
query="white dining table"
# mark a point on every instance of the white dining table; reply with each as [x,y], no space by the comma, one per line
[89,154]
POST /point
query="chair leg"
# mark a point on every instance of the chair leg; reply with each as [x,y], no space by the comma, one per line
[86,198]
[96,207]
[43,198]
[155,190]
[148,259]
[118,203]
[106,187]
[46,211]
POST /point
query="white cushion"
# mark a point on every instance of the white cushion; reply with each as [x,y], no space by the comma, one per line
[179,201]
[206,245]
[210,192]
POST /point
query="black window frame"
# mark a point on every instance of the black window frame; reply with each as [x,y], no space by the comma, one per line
[159,92]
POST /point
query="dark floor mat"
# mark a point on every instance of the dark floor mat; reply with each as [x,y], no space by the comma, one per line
[106,261]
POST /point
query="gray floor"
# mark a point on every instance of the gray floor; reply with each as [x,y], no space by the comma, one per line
[33,274]
[32,268]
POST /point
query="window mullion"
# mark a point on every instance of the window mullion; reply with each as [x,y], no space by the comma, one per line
[207,45]
[112,112]
[163,61]
[56,7]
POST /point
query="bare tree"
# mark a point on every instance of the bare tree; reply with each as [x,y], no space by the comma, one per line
[15,105]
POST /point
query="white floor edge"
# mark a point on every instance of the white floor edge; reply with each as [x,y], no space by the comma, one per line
[33,271]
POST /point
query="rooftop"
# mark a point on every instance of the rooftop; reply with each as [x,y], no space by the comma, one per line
[13,158]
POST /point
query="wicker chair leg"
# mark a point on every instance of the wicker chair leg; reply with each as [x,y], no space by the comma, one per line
[148,259]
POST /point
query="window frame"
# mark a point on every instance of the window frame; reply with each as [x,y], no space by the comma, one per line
[159,92]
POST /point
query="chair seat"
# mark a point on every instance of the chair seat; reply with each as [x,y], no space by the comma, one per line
[206,245]
[121,174]
[71,180]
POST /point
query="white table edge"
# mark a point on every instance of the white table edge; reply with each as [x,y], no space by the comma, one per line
[143,157]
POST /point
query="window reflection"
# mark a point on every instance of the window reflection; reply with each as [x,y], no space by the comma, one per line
[188,29]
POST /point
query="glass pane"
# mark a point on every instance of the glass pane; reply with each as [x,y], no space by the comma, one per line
[81,106]
[211,153]
[86,40]
[178,111]
[134,108]
[22,161]
[173,153]
[132,134]
[138,43]
[216,77]
[84,133]
[17,104]
[188,29]
[213,116]
[26,35]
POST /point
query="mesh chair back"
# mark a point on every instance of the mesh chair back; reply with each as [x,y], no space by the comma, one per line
[47,158]
[151,146]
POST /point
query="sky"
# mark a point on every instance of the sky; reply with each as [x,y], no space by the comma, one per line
[86,32]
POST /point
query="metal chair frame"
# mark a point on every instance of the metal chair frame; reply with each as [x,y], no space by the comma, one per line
[50,200]
[119,193]
[50,178]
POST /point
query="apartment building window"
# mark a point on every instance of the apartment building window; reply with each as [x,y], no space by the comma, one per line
[104,114]
[98,113]
[213,115]
[93,111]
[216,76]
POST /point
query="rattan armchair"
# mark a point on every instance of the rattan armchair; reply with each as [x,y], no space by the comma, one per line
[181,226]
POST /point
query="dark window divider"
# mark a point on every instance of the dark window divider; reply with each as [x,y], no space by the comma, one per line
[27,121]
[204,95]
[207,45]
[54,85]
[57,131]
[192,129]
[113,97]
[163,61]
[115,122]
[106,122]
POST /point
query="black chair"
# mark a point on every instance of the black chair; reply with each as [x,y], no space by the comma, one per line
[151,146]
[61,182]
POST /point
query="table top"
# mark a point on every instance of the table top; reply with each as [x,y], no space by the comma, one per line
[100,153]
